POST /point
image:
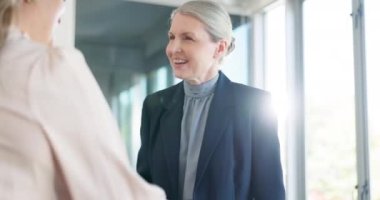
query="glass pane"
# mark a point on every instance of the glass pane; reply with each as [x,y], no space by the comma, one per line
[158,79]
[329,100]
[235,65]
[372,19]
[129,118]
[275,80]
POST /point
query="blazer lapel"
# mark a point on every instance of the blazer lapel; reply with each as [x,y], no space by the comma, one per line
[171,132]
[217,121]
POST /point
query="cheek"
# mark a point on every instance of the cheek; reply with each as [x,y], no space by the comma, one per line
[167,50]
[206,55]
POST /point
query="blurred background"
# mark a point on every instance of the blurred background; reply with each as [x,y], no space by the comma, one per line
[318,58]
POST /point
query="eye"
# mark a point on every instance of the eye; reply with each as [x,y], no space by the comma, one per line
[171,37]
[188,38]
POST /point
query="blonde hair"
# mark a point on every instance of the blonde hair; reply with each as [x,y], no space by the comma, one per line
[213,16]
[6,10]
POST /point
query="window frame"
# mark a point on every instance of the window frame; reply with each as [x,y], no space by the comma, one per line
[296,167]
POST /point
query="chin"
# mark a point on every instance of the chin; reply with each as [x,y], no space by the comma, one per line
[179,74]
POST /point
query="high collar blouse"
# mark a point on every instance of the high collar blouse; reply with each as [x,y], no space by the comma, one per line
[195,111]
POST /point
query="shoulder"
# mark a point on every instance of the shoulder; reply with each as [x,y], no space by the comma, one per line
[165,96]
[27,67]
[66,54]
[240,91]
[248,92]
[252,99]
[48,80]
[27,53]
[56,58]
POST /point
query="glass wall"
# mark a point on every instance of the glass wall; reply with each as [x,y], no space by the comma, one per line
[129,106]
[329,100]
[372,20]
[158,79]
[235,65]
[275,70]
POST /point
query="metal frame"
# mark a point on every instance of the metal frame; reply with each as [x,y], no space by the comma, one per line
[296,124]
[257,72]
[362,154]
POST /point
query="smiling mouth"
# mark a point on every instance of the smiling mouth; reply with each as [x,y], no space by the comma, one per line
[179,61]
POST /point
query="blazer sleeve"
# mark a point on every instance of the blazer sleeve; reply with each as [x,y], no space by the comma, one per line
[266,162]
[143,164]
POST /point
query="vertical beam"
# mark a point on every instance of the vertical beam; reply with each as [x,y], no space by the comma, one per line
[362,155]
[296,184]
[257,61]
[65,33]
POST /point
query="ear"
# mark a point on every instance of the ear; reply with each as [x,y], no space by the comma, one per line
[221,49]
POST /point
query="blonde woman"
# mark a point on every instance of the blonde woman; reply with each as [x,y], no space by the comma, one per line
[208,138]
[58,139]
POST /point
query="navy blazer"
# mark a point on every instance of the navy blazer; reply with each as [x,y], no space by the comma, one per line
[239,157]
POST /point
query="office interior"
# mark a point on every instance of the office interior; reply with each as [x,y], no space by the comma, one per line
[318,59]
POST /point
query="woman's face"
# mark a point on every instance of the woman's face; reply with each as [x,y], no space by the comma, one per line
[193,56]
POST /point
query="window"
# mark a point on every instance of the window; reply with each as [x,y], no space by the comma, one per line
[372,19]
[329,100]
[158,79]
[275,70]
[235,65]
[129,105]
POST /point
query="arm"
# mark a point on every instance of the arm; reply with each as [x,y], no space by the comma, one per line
[266,163]
[82,132]
[143,164]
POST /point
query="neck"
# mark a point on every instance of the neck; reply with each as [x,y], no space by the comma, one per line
[208,76]
[36,29]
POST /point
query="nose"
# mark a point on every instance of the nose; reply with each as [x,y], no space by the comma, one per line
[174,46]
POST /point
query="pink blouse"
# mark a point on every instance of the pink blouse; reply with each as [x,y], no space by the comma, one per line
[58,139]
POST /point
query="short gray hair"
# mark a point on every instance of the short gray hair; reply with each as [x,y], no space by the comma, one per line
[213,16]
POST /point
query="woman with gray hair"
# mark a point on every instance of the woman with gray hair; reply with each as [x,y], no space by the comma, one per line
[208,138]
[58,139]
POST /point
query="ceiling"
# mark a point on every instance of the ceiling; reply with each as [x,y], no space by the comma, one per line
[115,34]
[120,38]
[124,23]
[117,22]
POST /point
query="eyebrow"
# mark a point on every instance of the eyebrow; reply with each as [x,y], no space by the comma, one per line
[185,33]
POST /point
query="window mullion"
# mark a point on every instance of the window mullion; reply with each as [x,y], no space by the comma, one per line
[296,123]
[363,186]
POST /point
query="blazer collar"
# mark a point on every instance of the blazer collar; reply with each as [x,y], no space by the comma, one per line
[217,122]
[170,131]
